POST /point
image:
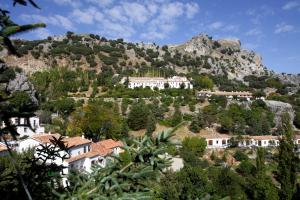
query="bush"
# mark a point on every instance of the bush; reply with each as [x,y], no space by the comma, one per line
[240,156]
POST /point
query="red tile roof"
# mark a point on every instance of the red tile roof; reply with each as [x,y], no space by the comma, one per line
[110,144]
[216,136]
[99,148]
[45,138]
[82,156]
[265,137]
[75,141]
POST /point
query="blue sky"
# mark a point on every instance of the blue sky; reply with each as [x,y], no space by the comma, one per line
[269,27]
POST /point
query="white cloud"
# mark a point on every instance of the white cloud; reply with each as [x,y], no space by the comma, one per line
[56,20]
[101,3]
[117,14]
[283,28]
[254,32]
[87,16]
[231,28]
[250,46]
[191,10]
[290,5]
[258,14]
[73,3]
[136,12]
[42,33]
[115,30]
[216,25]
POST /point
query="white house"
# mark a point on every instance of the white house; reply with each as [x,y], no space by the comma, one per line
[157,82]
[259,141]
[23,126]
[216,140]
[114,146]
[229,95]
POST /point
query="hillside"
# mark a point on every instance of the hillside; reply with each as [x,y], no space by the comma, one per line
[201,55]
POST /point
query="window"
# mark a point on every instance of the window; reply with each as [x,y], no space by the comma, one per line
[25,130]
[265,142]
[210,142]
[25,121]
[93,162]
[17,121]
[217,141]
[223,141]
[72,166]
[84,149]
[78,152]
[34,123]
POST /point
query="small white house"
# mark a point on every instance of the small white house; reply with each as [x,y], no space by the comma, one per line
[23,126]
[114,146]
[259,141]
[216,140]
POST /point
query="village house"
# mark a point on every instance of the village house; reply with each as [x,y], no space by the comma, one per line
[82,153]
[216,140]
[157,82]
[26,127]
[229,95]
[259,141]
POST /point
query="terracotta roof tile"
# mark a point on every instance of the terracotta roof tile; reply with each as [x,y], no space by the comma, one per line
[75,141]
[45,138]
[82,156]
[265,137]
[99,148]
[216,136]
[109,144]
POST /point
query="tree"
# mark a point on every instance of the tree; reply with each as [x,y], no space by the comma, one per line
[197,123]
[7,109]
[262,186]
[138,116]
[97,121]
[176,118]
[151,124]
[287,160]
[194,145]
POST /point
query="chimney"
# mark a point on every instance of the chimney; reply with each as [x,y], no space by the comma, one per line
[82,136]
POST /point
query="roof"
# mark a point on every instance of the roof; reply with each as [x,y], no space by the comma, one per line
[297,137]
[224,93]
[45,138]
[100,149]
[216,136]
[3,147]
[82,156]
[265,137]
[75,141]
[110,144]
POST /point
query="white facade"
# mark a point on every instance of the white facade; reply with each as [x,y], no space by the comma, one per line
[217,141]
[158,82]
[259,141]
[23,126]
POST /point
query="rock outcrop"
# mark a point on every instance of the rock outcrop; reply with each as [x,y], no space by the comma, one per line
[278,108]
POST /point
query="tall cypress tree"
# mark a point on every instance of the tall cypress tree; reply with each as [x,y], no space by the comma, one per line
[287,160]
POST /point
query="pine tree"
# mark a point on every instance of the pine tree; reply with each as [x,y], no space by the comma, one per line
[287,160]
[151,124]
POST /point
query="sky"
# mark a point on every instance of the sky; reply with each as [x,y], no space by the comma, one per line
[269,27]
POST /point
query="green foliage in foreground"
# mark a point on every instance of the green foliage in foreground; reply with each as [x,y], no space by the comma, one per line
[127,176]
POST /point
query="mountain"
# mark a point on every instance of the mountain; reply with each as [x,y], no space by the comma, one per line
[201,54]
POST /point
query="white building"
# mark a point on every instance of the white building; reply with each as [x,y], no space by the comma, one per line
[216,141]
[259,141]
[229,95]
[82,153]
[157,82]
[26,127]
